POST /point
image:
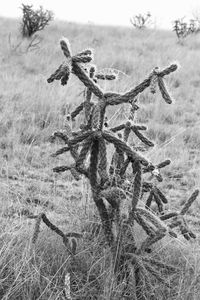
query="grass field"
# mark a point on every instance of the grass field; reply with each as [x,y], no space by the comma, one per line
[31,110]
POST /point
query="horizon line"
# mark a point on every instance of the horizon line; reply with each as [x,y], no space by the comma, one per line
[155,26]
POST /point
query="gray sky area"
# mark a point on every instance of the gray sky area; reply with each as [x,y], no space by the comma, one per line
[114,12]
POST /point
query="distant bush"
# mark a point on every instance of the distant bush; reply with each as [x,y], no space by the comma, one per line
[183,29]
[34,20]
[141,21]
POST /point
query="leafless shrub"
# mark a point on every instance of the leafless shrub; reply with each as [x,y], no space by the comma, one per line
[141,21]
[20,46]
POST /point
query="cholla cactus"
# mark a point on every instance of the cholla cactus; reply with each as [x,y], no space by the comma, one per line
[112,183]
[180,28]
[34,20]
[183,29]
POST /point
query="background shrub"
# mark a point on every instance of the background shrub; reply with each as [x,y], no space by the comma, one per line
[34,20]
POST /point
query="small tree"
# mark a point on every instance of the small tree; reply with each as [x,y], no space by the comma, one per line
[141,21]
[34,20]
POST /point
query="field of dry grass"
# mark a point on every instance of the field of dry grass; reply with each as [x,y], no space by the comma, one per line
[31,110]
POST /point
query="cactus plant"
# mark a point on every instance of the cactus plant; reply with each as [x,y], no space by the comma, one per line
[112,183]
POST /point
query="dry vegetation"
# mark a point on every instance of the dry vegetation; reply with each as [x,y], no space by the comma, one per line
[30,110]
